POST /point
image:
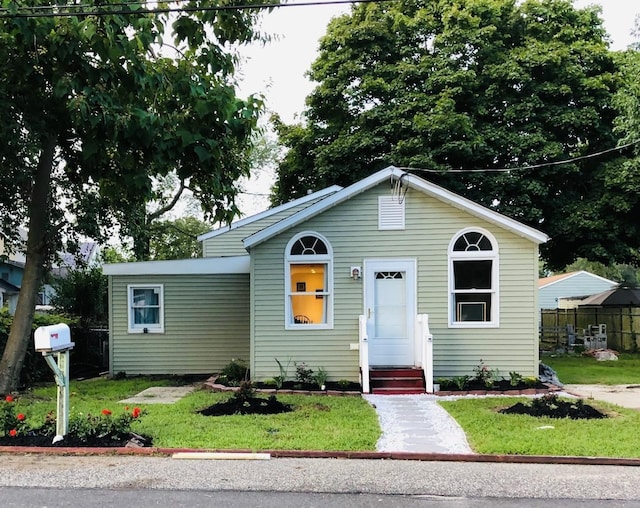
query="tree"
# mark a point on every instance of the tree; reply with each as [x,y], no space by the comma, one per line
[91,111]
[83,293]
[177,239]
[443,86]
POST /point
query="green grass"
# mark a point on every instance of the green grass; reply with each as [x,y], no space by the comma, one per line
[576,369]
[317,423]
[491,432]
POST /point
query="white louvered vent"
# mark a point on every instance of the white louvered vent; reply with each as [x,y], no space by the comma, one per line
[390,213]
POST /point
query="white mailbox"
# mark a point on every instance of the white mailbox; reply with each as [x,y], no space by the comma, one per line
[53,338]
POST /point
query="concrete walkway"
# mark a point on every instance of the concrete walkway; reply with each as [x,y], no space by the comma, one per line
[622,395]
[416,423]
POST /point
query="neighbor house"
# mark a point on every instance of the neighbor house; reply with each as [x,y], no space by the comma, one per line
[576,285]
[392,266]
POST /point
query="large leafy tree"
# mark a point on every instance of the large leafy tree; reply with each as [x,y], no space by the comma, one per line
[471,85]
[91,111]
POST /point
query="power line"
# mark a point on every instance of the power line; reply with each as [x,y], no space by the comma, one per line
[522,168]
[68,10]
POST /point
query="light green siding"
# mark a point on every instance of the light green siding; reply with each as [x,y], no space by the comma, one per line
[352,230]
[229,243]
[206,320]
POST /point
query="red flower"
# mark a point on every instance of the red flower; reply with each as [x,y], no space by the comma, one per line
[106,412]
[13,432]
[20,416]
[136,412]
[9,398]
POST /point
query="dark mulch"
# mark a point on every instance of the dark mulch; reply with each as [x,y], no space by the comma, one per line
[74,441]
[553,407]
[247,406]
[502,385]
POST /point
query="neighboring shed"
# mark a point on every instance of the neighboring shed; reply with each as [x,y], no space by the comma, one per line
[345,279]
[570,285]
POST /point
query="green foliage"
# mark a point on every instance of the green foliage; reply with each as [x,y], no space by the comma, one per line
[93,113]
[104,425]
[587,370]
[317,422]
[35,368]
[515,378]
[177,239]
[320,377]
[484,375]
[235,372]
[461,382]
[83,294]
[343,384]
[491,432]
[440,86]
[304,374]
[284,372]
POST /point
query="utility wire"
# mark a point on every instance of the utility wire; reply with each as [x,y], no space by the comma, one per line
[523,168]
[62,9]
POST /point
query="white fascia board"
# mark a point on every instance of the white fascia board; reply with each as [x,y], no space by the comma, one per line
[267,213]
[416,183]
[204,266]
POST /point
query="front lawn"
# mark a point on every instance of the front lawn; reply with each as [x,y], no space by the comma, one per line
[577,369]
[494,433]
[317,422]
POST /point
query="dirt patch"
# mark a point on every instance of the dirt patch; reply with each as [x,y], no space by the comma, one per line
[553,407]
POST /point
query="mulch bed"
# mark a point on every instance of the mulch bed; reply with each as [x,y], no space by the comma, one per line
[132,440]
[246,406]
[552,407]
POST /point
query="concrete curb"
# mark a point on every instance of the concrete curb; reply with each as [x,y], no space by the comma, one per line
[427,457]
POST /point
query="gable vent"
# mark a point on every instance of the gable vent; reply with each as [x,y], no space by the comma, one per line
[390,213]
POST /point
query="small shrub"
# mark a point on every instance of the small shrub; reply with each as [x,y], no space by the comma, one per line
[531,381]
[446,384]
[235,372]
[484,375]
[461,382]
[343,384]
[515,378]
[269,381]
[320,377]
[304,375]
[246,391]
[284,373]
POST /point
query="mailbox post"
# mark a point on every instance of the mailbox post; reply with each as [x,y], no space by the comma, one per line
[56,340]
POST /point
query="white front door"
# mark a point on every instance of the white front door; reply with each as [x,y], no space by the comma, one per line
[390,307]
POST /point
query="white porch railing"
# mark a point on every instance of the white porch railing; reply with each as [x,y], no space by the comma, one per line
[424,340]
[424,350]
[364,353]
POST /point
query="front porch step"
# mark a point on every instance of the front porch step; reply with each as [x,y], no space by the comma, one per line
[396,381]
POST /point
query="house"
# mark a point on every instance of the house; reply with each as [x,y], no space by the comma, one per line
[12,270]
[558,291]
[390,271]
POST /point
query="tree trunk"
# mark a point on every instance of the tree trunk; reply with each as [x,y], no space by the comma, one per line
[37,251]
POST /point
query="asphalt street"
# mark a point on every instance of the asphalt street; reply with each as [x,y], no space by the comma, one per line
[464,480]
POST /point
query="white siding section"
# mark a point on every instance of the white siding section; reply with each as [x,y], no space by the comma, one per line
[352,229]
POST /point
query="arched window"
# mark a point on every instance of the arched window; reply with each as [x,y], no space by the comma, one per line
[473,279]
[308,282]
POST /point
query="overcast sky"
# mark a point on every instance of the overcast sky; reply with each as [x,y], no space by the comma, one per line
[278,69]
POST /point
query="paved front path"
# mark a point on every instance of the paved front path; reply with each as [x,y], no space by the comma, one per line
[417,423]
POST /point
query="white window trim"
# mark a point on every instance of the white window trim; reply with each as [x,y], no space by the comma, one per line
[492,255]
[289,260]
[153,328]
